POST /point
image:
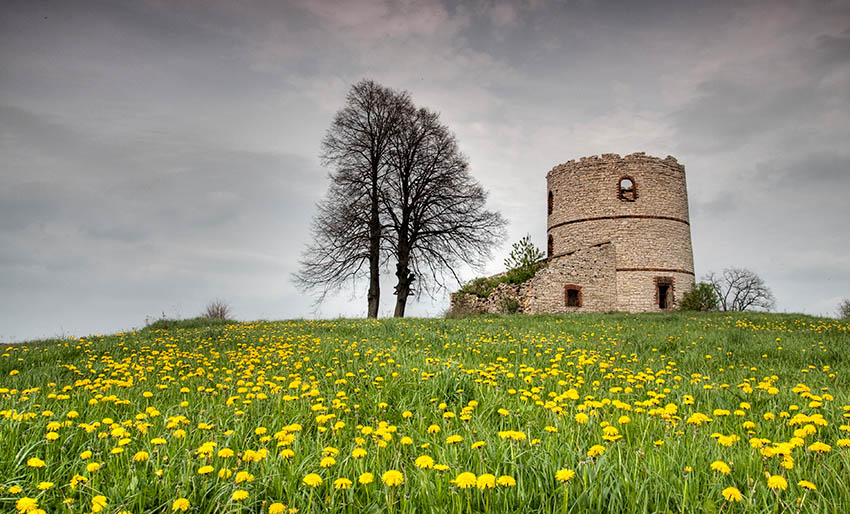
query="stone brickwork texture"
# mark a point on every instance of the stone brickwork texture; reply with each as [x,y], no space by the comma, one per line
[618,231]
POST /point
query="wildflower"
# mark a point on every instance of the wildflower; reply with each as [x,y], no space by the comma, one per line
[98,503]
[466,480]
[181,504]
[486,481]
[26,504]
[392,478]
[91,467]
[582,418]
[506,481]
[43,486]
[358,453]
[244,476]
[720,467]
[366,478]
[478,444]
[777,482]
[140,456]
[424,462]
[595,450]
[732,494]
[327,462]
[286,453]
[819,447]
[312,480]
[277,508]
[240,494]
[15,489]
[205,470]
[35,462]
[452,439]
[158,441]
[342,483]
[433,429]
[805,484]
[225,453]
[564,475]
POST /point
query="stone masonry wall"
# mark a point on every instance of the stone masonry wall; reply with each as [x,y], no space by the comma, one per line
[590,269]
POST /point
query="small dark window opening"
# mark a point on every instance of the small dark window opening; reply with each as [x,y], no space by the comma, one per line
[662,296]
[550,248]
[572,295]
[664,292]
[551,201]
[627,190]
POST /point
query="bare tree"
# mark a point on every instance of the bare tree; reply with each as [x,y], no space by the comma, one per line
[347,229]
[217,309]
[844,309]
[739,289]
[435,209]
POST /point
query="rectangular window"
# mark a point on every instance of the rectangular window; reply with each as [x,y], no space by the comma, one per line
[662,296]
[572,295]
[664,292]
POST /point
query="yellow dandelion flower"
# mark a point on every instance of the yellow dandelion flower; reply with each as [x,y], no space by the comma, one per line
[240,494]
[486,481]
[35,462]
[506,481]
[366,478]
[595,450]
[98,503]
[466,480]
[777,482]
[342,483]
[312,480]
[424,462]
[732,494]
[720,467]
[392,478]
[277,508]
[564,475]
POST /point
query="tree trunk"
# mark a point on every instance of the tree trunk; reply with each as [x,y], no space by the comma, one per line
[402,289]
[374,254]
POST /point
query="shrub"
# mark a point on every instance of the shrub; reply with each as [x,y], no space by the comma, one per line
[217,309]
[701,298]
[510,305]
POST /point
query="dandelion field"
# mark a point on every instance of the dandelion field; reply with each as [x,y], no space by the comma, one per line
[596,413]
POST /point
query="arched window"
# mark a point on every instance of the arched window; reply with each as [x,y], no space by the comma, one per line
[550,203]
[627,190]
[550,248]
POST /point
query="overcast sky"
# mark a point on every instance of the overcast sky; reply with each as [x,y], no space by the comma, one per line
[157,154]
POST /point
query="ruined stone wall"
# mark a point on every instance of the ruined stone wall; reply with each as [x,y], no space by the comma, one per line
[648,226]
[591,270]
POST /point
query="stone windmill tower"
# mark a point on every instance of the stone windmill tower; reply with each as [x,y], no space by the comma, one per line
[619,236]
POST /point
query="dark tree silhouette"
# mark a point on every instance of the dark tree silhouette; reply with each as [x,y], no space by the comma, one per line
[347,229]
[739,289]
[435,209]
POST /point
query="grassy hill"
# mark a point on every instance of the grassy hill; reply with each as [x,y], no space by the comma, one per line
[583,413]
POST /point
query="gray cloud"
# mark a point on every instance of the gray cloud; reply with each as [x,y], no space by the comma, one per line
[154,154]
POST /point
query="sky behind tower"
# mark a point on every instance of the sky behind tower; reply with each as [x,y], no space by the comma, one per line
[155,155]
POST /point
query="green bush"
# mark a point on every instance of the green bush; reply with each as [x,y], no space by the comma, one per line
[701,298]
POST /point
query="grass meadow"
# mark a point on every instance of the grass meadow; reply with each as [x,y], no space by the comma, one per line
[584,413]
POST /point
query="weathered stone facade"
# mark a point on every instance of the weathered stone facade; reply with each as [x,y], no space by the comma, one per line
[618,237]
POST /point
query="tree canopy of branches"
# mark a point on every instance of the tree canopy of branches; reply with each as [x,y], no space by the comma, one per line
[844,309]
[347,229]
[739,289]
[435,210]
[400,188]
